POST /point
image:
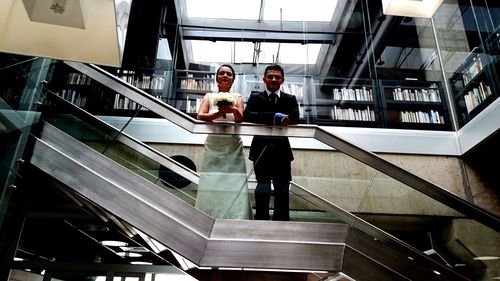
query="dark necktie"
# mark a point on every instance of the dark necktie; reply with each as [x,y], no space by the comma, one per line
[274,98]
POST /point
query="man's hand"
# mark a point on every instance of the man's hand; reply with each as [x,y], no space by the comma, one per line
[285,121]
[281,119]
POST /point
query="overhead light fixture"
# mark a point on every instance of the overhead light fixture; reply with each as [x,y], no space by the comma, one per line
[231,268]
[340,277]
[95,227]
[411,8]
[114,243]
[71,13]
[284,270]
[486,258]
[141,263]
[129,254]
[134,249]
[90,31]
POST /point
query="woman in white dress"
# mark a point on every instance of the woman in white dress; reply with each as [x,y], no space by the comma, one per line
[222,190]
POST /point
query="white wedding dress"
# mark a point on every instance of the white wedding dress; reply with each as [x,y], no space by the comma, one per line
[223,190]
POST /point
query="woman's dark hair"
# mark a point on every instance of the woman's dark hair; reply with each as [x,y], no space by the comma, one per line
[226,65]
[274,67]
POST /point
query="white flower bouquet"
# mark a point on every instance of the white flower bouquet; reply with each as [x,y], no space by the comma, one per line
[224,99]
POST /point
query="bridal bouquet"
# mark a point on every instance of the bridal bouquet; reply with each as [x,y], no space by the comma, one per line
[224,99]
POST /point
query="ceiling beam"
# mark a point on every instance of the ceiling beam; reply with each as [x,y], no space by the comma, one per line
[257,36]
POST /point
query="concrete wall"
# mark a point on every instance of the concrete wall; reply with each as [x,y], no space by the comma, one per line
[357,187]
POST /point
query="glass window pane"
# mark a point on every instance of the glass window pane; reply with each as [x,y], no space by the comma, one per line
[237,9]
[298,10]
[243,52]
[286,10]
[207,51]
[289,53]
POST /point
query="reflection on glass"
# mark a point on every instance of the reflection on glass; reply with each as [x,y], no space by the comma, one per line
[21,81]
[109,142]
[360,189]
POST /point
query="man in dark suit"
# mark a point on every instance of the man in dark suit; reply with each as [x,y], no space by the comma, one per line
[272,156]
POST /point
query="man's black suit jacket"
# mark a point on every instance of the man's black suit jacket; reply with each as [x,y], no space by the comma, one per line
[259,109]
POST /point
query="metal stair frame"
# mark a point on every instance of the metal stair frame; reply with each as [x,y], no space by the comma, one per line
[219,243]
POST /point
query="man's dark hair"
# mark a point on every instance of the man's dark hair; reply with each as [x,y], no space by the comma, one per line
[228,66]
[274,67]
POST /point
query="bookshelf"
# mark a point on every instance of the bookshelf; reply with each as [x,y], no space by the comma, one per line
[337,101]
[151,82]
[472,85]
[352,104]
[191,87]
[344,102]
[80,90]
[90,95]
[414,105]
[294,85]
[329,102]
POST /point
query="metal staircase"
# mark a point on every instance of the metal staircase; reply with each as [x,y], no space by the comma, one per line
[353,247]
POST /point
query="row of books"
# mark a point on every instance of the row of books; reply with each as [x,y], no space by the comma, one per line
[289,88]
[337,113]
[122,102]
[146,82]
[199,84]
[359,94]
[293,89]
[476,96]
[80,100]
[78,79]
[73,96]
[301,111]
[472,70]
[432,117]
[424,95]
[193,105]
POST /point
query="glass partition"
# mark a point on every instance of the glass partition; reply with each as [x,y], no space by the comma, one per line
[344,65]
[345,190]
[20,80]
[469,39]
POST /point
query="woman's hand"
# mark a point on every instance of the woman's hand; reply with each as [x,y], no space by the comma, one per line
[237,110]
[227,109]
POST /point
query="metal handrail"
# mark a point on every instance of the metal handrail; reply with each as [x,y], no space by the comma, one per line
[303,131]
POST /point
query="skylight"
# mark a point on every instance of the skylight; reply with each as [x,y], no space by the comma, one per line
[223,9]
[299,10]
[208,20]
[287,10]
[243,52]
